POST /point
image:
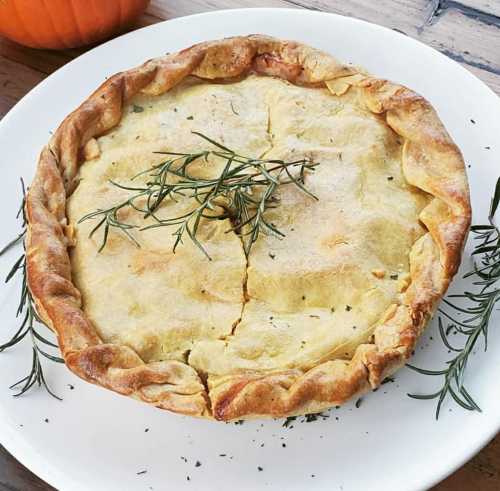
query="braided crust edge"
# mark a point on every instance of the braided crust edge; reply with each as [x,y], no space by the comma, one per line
[431,162]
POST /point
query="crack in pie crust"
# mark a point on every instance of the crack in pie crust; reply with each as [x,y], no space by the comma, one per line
[304,323]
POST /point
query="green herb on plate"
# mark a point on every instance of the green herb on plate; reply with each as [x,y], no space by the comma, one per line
[27,312]
[477,307]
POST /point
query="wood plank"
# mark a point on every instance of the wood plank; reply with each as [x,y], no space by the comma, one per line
[404,15]
[48,61]
[490,79]
[15,477]
[15,81]
[448,26]
[471,42]
[167,9]
[475,7]
[42,60]
[400,10]
[147,19]
[432,22]
[482,473]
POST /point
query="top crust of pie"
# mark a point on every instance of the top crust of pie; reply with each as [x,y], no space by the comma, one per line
[309,321]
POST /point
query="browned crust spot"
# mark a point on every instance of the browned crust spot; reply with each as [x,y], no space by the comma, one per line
[431,162]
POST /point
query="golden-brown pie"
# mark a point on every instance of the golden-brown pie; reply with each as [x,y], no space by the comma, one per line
[304,322]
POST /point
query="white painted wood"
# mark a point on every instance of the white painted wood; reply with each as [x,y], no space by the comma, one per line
[488,6]
[454,31]
[475,44]
[166,9]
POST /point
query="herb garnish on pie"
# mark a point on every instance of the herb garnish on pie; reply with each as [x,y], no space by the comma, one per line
[271,325]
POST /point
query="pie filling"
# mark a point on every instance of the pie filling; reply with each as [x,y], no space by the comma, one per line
[312,296]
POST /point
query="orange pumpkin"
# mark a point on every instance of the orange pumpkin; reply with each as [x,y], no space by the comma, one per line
[59,24]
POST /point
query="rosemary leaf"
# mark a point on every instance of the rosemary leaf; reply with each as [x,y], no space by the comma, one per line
[27,327]
[242,193]
[12,243]
[478,306]
[495,200]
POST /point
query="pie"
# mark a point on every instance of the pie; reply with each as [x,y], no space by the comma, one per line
[305,321]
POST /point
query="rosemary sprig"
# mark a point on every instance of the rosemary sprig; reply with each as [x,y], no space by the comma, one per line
[243,192]
[478,307]
[26,310]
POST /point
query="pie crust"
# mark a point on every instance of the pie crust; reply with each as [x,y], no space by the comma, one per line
[431,167]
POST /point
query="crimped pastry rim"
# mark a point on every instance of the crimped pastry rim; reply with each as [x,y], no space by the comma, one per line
[431,162]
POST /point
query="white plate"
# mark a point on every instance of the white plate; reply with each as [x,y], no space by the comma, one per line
[96,440]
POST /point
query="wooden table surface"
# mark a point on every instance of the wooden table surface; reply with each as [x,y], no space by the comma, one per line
[467,31]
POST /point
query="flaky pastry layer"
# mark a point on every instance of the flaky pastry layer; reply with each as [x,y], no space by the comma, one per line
[431,162]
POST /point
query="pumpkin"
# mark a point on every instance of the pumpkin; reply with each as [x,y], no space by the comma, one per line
[59,24]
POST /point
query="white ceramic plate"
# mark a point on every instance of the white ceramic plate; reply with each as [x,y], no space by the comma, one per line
[97,440]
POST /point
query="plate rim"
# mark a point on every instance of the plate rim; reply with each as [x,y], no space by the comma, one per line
[28,456]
